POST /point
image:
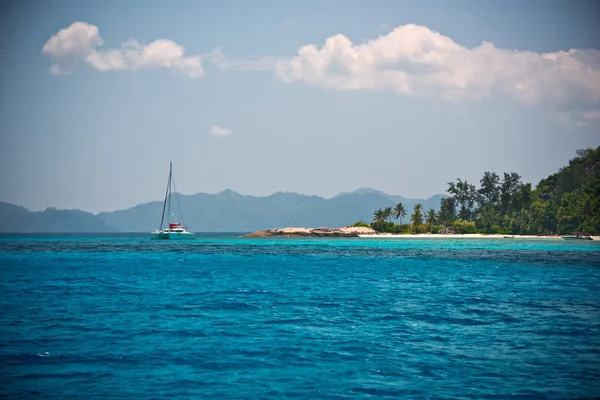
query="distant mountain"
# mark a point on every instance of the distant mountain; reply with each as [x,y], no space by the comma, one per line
[363,191]
[229,211]
[432,202]
[18,219]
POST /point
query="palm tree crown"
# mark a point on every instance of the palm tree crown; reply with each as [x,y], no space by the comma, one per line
[399,212]
[378,216]
[387,212]
[417,216]
[432,216]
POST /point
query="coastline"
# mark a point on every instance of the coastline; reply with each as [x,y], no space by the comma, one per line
[464,236]
[457,236]
[346,231]
[368,233]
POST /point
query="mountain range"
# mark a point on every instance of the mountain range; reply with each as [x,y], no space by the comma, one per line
[18,219]
[227,211]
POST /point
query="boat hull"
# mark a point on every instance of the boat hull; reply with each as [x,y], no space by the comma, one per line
[576,238]
[172,236]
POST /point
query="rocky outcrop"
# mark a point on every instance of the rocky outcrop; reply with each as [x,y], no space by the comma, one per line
[347,231]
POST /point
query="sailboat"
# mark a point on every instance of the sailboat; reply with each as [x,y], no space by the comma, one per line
[175,230]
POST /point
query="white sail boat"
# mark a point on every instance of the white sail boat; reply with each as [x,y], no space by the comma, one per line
[175,230]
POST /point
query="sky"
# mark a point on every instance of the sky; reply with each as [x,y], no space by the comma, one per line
[314,97]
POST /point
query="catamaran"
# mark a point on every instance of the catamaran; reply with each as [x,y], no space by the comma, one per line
[175,231]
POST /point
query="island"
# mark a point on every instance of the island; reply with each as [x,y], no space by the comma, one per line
[564,205]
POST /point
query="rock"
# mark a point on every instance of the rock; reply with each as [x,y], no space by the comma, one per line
[258,234]
[358,230]
[347,231]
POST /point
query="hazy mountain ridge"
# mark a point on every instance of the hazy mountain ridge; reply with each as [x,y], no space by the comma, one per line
[227,211]
[18,219]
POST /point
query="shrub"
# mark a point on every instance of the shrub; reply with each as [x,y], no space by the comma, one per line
[464,227]
[404,229]
[419,229]
[361,223]
[384,227]
[493,230]
[496,229]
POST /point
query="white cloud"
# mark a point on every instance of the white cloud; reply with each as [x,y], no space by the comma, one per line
[79,42]
[414,60]
[411,59]
[80,38]
[218,131]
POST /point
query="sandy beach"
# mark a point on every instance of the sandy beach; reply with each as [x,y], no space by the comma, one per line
[369,233]
[462,236]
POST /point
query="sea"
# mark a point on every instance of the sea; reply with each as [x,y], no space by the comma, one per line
[223,317]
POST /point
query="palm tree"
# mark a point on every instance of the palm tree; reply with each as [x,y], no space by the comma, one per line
[399,212]
[387,212]
[378,216]
[417,216]
[432,216]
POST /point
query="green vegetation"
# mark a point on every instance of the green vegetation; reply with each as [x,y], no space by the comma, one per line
[565,203]
[399,212]
[431,217]
[465,227]
[416,217]
[361,224]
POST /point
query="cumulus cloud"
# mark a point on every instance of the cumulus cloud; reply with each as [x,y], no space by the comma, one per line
[80,41]
[218,131]
[411,59]
[414,60]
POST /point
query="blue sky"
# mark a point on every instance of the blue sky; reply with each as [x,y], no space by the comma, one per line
[98,97]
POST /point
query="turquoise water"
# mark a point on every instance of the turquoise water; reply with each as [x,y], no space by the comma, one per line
[224,317]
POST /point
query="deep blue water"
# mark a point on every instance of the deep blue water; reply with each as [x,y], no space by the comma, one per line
[224,317]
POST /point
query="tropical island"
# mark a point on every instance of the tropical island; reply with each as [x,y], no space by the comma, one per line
[565,203]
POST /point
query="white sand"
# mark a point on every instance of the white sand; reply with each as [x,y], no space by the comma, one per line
[456,236]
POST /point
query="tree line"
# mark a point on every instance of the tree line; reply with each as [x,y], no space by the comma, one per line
[566,202]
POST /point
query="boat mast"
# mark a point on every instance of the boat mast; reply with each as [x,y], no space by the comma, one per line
[169,201]
[167,196]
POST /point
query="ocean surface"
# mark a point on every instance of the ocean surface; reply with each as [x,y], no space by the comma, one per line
[120,316]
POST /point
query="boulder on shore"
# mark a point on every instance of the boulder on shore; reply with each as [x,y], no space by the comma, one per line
[347,231]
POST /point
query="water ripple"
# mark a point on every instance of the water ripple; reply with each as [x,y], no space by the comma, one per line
[223,317]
